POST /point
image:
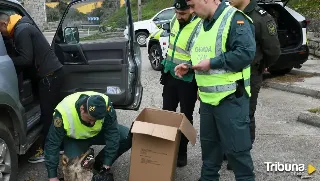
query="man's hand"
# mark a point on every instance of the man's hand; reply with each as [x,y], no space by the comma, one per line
[54,179]
[181,70]
[204,65]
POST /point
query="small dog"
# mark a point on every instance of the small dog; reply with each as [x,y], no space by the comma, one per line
[81,169]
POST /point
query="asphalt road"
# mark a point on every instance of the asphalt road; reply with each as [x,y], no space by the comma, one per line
[280,138]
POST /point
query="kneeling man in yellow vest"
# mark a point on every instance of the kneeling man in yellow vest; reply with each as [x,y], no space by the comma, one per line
[80,120]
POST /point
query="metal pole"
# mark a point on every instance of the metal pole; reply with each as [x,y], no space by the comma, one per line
[139,11]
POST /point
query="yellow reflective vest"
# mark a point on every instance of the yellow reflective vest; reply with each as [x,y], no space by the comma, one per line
[180,45]
[216,84]
[71,121]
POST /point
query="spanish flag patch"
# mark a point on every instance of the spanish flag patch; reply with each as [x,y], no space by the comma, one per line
[108,108]
[240,22]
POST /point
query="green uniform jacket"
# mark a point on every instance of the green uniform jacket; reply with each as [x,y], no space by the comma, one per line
[240,45]
[57,134]
[267,42]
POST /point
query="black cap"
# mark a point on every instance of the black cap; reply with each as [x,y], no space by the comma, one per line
[181,4]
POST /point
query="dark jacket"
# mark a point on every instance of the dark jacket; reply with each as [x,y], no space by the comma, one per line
[33,48]
[56,136]
[268,45]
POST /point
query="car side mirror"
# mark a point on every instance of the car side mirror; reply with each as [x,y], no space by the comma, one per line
[166,26]
[71,35]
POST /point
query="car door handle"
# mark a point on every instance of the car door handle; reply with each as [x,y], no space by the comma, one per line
[74,55]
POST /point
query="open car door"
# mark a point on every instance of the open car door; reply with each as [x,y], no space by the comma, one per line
[96,56]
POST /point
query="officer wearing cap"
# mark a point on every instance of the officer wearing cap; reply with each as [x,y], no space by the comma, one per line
[180,90]
[80,120]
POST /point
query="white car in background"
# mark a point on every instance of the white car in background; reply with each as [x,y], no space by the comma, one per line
[144,28]
[292,33]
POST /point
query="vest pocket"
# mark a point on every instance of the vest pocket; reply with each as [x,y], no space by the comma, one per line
[241,134]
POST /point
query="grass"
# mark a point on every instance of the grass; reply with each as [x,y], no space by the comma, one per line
[308,8]
[314,110]
[292,78]
[149,9]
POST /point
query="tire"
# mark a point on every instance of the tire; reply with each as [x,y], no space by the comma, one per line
[155,57]
[7,143]
[141,38]
[281,71]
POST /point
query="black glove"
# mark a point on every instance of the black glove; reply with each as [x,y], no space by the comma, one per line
[103,175]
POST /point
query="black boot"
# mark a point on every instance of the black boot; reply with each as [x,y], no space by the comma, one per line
[182,160]
[229,167]
[224,157]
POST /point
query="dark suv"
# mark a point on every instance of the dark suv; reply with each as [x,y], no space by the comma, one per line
[92,61]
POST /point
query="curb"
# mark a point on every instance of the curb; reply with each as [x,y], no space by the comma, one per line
[304,72]
[309,118]
[293,89]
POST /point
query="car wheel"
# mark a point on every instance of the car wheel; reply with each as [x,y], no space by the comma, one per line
[141,38]
[8,155]
[155,57]
[281,71]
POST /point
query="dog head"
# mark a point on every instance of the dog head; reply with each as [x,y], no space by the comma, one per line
[79,168]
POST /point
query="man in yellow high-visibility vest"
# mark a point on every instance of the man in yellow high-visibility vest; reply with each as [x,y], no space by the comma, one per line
[83,119]
[221,55]
[180,90]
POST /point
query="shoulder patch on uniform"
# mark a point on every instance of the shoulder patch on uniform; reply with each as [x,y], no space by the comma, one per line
[108,108]
[57,122]
[261,11]
[272,28]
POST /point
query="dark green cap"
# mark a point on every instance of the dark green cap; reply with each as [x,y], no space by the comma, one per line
[181,4]
[96,106]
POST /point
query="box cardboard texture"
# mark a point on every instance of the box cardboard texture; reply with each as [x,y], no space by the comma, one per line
[155,144]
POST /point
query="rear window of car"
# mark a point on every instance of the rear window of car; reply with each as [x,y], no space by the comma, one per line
[3,50]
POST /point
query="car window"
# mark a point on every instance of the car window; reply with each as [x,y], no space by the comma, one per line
[165,15]
[88,21]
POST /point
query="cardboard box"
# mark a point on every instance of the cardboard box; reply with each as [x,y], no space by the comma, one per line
[155,144]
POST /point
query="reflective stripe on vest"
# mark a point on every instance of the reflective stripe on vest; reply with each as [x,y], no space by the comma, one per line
[179,46]
[216,84]
[71,121]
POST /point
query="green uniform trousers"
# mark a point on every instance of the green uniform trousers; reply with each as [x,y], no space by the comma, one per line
[74,147]
[225,129]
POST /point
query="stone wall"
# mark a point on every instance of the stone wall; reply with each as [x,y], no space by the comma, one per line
[314,43]
[37,10]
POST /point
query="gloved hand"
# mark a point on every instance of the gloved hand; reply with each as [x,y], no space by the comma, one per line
[103,175]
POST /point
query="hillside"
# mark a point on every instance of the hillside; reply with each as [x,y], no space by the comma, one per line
[310,9]
[149,9]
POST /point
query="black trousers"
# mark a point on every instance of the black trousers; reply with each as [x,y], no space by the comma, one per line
[177,91]
[255,83]
[49,94]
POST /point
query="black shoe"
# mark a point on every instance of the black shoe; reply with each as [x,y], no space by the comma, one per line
[224,157]
[229,167]
[182,160]
[103,175]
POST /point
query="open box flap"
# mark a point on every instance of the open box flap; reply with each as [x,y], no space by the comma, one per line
[156,130]
[188,130]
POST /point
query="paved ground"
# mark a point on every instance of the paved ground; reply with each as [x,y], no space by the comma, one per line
[280,138]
